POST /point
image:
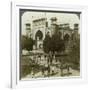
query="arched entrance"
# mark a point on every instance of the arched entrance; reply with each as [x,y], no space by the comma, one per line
[66,37]
[39,35]
[39,39]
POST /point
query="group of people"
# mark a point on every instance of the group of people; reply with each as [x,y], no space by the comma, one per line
[50,65]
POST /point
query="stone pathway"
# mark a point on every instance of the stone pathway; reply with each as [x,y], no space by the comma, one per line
[58,74]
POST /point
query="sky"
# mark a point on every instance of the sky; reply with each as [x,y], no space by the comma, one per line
[62,18]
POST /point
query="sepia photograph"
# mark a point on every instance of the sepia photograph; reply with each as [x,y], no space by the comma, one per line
[49,44]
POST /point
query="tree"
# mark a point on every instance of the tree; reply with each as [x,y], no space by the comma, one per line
[75,53]
[54,43]
[57,44]
[27,43]
[23,41]
[47,43]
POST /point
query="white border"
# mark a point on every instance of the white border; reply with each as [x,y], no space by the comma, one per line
[15,82]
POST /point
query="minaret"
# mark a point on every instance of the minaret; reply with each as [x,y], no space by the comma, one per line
[76,28]
[53,20]
[53,24]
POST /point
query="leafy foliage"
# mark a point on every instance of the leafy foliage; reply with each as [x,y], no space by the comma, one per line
[54,43]
[75,53]
[47,43]
[57,44]
[27,43]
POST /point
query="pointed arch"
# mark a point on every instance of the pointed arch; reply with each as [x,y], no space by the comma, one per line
[66,37]
[39,34]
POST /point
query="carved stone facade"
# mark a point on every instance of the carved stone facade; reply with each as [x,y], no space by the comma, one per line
[40,28]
